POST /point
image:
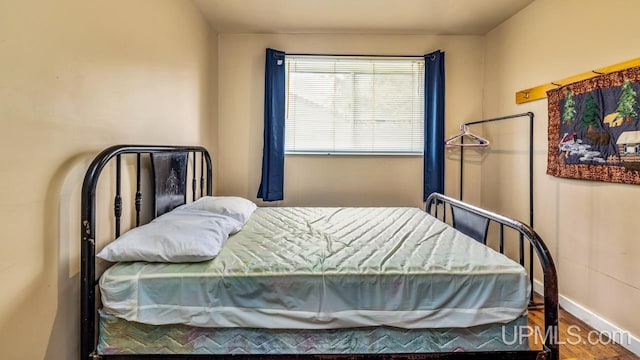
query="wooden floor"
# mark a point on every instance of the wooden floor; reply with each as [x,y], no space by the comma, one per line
[574,334]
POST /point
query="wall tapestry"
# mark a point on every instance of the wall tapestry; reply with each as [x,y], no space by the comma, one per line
[594,132]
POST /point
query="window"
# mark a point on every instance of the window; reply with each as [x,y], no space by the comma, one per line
[354,105]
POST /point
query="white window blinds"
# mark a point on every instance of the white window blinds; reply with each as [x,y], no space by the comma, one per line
[355,105]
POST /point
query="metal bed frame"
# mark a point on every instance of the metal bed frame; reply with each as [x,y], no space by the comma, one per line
[170,168]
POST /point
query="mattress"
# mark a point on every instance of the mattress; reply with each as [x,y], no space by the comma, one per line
[118,336]
[324,268]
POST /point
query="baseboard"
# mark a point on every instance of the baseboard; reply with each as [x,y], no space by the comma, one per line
[595,321]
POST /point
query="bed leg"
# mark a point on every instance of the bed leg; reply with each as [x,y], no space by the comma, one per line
[543,356]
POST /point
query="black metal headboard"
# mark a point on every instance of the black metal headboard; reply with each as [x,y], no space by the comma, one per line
[170,166]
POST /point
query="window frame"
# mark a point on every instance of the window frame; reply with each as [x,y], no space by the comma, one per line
[347,153]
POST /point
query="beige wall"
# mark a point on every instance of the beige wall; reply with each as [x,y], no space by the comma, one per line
[334,180]
[591,227]
[78,76]
[209,136]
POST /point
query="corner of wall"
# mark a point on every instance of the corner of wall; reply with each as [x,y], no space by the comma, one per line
[212,134]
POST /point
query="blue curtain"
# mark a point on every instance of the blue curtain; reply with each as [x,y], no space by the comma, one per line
[433,123]
[272,183]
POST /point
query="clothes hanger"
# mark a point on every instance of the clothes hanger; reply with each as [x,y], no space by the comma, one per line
[464,132]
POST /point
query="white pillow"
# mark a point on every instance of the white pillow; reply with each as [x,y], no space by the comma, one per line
[181,235]
[233,206]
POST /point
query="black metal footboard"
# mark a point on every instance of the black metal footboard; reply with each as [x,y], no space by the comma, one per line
[475,222]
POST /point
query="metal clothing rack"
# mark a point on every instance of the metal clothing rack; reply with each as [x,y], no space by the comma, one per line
[508,117]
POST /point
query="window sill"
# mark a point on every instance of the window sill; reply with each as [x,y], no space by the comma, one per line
[355,153]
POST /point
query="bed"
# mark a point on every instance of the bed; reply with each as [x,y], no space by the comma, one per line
[354,283]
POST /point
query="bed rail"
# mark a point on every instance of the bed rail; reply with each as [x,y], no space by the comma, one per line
[170,168]
[474,221]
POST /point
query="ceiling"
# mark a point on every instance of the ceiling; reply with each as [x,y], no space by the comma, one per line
[435,17]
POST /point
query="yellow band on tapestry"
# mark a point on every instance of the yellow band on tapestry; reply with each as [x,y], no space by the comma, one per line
[540,92]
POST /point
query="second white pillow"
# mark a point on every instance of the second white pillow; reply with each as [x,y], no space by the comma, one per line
[232,206]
